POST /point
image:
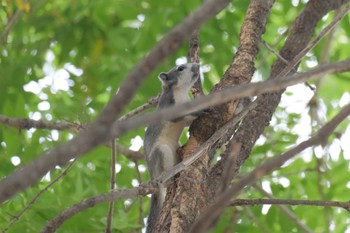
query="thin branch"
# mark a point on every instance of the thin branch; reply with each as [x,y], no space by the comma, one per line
[215,210]
[18,215]
[324,59]
[10,24]
[234,149]
[100,131]
[117,194]
[139,179]
[193,56]
[243,202]
[271,49]
[23,123]
[274,52]
[150,103]
[324,32]
[112,188]
[130,154]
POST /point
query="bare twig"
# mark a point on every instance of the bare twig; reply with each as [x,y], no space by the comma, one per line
[139,179]
[223,200]
[23,123]
[10,24]
[233,153]
[242,202]
[324,32]
[324,59]
[112,188]
[130,154]
[265,53]
[193,56]
[273,51]
[18,215]
[100,131]
[117,194]
[150,103]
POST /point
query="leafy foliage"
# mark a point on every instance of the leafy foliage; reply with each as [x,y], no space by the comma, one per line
[63,60]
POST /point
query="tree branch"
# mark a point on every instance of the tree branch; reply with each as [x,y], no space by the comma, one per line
[243,202]
[112,186]
[23,123]
[150,103]
[324,32]
[193,56]
[10,24]
[130,154]
[214,211]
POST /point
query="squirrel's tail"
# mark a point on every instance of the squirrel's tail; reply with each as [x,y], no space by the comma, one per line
[156,206]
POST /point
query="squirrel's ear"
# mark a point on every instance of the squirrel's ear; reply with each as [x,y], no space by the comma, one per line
[164,78]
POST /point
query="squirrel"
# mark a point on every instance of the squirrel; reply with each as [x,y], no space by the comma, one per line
[162,138]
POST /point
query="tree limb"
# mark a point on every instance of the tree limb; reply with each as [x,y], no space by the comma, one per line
[242,202]
[193,56]
[23,123]
[10,24]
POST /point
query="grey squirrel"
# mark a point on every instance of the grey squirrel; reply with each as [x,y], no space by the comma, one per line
[162,138]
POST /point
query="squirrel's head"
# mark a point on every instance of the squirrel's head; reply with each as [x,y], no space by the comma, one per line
[183,76]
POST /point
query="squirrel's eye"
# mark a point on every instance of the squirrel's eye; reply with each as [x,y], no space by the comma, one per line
[180,68]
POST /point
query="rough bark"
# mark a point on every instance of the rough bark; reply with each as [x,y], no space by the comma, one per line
[192,195]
